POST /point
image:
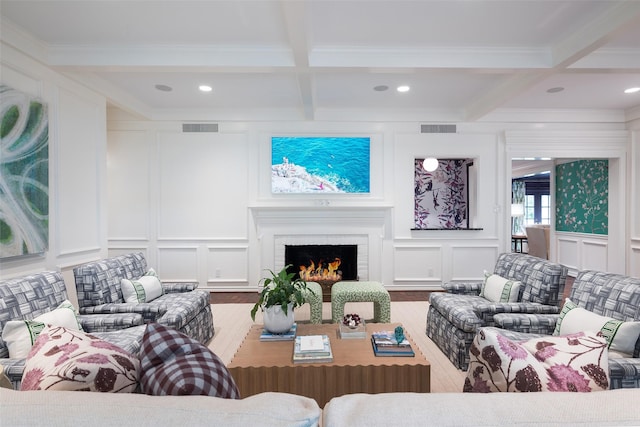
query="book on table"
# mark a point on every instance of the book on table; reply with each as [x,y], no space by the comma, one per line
[312,349]
[286,336]
[384,343]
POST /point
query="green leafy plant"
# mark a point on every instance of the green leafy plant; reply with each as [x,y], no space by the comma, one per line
[281,289]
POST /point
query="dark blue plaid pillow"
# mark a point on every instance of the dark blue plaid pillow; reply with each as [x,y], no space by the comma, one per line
[174,364]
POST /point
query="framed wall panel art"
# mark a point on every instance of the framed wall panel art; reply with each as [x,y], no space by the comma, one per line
[24,174]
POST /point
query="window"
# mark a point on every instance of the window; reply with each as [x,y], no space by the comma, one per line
[537,201]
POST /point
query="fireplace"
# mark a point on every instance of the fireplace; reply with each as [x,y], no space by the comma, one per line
[324,264]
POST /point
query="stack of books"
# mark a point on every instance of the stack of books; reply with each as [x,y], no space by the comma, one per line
[287,336]
[385,344]
[312,349]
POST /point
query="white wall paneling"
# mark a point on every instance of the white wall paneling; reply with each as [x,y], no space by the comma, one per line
[633,206]
[115,250]
[226,265]
[469,262]
[81,169]
[129,180]
[568,248]
[202,185]
[634,259]
[417,265]
[594,254]
[177,264]
[583,251]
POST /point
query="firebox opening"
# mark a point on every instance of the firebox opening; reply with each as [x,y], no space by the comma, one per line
[325,264]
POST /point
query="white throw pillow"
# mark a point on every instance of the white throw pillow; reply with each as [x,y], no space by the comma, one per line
[20,335]
[498,289]
[621,336]
[145,289]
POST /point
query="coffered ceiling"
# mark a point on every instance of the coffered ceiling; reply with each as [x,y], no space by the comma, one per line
[475,60]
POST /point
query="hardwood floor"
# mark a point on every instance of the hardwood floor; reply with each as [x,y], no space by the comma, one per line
[252,297]
[232,322]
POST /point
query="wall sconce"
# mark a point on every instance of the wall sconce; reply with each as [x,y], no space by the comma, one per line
[430,164]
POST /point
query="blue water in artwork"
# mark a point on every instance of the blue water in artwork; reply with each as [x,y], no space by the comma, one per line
[342,161]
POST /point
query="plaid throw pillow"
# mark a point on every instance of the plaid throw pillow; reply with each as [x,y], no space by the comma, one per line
[173,364]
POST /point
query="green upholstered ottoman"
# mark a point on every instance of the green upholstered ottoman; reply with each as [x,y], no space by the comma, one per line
[343,292]
[315,301]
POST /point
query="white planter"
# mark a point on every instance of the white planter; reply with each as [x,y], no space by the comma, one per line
[276,321]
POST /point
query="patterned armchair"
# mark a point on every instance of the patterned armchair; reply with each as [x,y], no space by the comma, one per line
[454,316]
[27,297]
[181,306]
[606,294]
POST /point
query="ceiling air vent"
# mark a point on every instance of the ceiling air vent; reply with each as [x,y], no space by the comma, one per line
[199,127]
[438,129]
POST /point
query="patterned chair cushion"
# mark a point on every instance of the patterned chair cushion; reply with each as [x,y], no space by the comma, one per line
[182,307]
[66,359]
[543,280]
[174,364]
[27,297]
[458,309]
[608,294]
[577,363]
[100,282]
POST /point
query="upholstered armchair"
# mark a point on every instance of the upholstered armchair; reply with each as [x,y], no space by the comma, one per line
[538,241]
[100,290]
[454,316]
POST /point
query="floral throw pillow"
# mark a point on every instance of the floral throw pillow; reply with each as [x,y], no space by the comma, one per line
[66,359]
[576,362]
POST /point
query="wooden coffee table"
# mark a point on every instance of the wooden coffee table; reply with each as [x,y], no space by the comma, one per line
[260,366]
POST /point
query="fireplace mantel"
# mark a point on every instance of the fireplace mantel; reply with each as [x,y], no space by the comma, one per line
[365,226]
[295,214]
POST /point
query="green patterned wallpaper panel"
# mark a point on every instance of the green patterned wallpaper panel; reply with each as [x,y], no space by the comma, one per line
[582,197]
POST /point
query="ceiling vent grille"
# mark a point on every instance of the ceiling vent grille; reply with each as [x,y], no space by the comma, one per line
[438,129]
[199,127]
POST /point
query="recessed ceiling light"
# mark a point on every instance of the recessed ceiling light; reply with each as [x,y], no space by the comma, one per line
[555,89]
[403,89]
[205,88]
[164,88]
[632,90]
[381,88]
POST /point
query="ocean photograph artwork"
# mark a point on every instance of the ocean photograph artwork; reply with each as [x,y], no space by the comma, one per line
[320,164]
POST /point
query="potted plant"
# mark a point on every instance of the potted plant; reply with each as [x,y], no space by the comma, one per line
[280,295]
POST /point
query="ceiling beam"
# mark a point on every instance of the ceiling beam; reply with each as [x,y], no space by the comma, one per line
[295,18]
[576,46]
[618,18]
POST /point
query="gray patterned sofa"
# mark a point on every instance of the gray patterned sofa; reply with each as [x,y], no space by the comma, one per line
[454,316]
[606,294]
[27,297]
[181,306]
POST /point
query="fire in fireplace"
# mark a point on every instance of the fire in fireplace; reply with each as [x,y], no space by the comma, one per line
[324,264]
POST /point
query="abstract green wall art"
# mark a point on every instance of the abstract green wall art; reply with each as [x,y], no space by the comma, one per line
[582,197]
[24,174]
